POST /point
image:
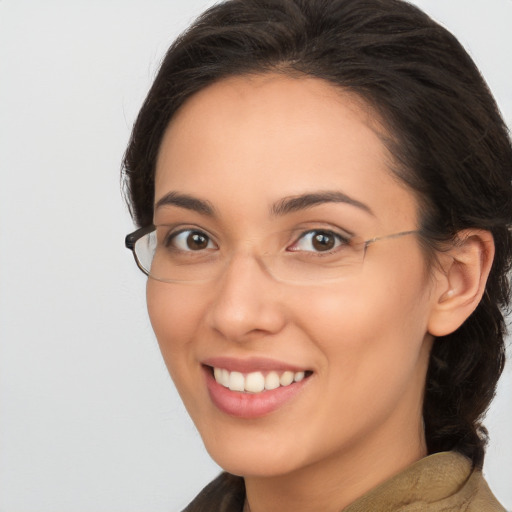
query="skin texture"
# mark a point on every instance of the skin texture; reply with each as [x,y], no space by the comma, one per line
[244,144]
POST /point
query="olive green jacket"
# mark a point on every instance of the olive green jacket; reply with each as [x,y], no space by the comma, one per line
[443,482]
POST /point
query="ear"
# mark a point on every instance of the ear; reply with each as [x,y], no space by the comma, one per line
[460,280]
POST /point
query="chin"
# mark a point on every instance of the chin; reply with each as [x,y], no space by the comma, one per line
[253,464]
[253,452]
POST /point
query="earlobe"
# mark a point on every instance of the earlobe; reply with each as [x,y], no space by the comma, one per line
[461,280]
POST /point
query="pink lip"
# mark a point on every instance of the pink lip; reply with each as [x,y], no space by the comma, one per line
[250,405]
[253,364]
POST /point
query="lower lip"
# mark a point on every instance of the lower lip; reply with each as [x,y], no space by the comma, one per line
[250,405]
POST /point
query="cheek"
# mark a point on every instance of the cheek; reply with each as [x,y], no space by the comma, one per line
[375,358]
[373,327]
[174,313]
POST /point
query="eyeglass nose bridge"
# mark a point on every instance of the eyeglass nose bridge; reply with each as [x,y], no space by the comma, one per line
[247,257]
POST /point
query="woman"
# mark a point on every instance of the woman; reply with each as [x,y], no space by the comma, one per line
[323,189]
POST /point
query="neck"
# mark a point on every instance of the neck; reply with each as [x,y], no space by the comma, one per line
[335,482]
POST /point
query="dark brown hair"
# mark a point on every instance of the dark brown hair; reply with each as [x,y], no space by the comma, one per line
[444,129]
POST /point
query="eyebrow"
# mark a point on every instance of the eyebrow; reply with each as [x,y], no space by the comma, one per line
[280,208]
[304,201]
[187,202]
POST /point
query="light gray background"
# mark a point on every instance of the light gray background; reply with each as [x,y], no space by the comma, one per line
[89,420]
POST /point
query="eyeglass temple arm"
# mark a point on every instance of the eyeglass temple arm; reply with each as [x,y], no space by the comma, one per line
[394,235]
[132,238]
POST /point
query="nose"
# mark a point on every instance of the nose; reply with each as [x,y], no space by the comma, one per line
[248,303]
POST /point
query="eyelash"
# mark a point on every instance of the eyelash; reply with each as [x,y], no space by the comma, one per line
[341,240]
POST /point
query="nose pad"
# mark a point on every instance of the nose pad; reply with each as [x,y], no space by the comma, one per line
[247,301]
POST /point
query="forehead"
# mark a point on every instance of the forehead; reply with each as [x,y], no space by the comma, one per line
[254,139]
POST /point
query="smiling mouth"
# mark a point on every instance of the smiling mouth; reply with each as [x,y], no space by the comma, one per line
[257,382]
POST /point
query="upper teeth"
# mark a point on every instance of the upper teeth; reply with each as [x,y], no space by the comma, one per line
[255,382]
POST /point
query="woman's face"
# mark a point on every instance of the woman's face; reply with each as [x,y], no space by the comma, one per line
[232,165]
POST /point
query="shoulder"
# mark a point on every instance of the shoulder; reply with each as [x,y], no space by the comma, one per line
[224,494]
[443,482]
[470,492]
[481,498]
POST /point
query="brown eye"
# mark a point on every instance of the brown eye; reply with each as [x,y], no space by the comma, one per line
[190,240]
[197,241]
[319,240]
[322,241]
